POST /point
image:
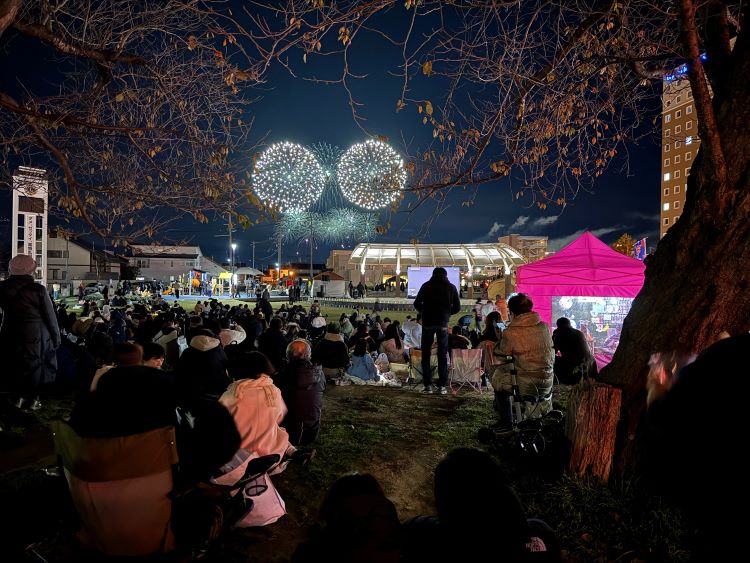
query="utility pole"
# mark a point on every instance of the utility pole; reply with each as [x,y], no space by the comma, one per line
[253,243]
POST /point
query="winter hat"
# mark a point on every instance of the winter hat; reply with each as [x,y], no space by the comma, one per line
[22,265]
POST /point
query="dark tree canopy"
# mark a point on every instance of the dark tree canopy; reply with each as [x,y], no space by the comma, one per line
[141,117]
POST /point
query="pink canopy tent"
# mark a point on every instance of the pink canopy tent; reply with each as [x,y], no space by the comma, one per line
[585,267]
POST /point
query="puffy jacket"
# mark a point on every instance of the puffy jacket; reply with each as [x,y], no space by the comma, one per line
[331,352]
[363,367]
[29,335]
[258,408]
[202,370]
[528,340]
[437,300]
[302,385]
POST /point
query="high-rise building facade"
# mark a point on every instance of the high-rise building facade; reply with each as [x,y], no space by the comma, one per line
[679,145]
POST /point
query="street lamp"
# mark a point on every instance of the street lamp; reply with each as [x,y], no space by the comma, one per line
[233,281]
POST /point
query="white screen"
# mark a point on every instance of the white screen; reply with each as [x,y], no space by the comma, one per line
[417,276]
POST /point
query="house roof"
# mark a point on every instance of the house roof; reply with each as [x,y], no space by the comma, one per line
[164,251]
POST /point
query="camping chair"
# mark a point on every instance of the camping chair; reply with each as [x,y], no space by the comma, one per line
[415,366]
[466,369]
[120,488]
[489,361]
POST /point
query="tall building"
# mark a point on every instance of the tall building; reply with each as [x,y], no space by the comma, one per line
[531,248]
[679,145]
[29,235]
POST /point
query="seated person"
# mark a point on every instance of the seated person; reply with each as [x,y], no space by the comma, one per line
[363,366]
[360,524]
[528,340]
[257,407]
[491,332]
[153,355]
[457,341]
[302,385]
[358,334]
[272,343]
[573,359]
[231,333]
[126,354]
[392,345]
[331,353]
[496,513]
[201,373]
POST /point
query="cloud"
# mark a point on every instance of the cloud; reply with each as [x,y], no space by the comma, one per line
[520,221]
[653,217]
[495,229]
[558,243]
[544,221]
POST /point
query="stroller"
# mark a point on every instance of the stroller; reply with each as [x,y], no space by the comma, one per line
[517,432]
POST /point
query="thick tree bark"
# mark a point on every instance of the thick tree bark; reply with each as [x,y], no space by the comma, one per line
[698,281]
[591,427]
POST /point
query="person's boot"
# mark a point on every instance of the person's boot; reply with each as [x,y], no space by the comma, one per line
[504,408]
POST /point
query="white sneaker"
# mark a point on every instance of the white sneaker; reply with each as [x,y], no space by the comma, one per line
[442,390]
[428,390]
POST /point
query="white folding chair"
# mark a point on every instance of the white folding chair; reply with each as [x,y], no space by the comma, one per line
[466,369]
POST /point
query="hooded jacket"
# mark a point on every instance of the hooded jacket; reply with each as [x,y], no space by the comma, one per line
[528,340]
[258,409]
[29,335]
[437,300]
[302,385]
[202,371]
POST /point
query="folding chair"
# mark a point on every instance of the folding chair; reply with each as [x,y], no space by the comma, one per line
[466,369]
[415,366]
[120,488]
[489,361]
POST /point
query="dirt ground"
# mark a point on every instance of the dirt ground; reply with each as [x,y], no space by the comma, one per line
[398,435]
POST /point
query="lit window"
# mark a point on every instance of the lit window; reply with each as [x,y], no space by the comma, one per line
[676,190]
[678,128]
[667,148]
[667,177]
[666,191]
[667,118]
[678,114]
[676,205]
[688,155]
[666,220]
[676,173]
[689,109]
[666,162]
[689,140]
[665,207]
[677,159]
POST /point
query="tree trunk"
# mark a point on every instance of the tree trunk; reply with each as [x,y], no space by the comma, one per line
[591,427]
[698,280]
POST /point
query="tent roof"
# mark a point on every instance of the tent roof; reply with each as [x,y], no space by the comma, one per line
[247,271]
[332,276]
[585,267]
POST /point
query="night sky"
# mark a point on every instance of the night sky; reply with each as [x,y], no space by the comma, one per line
[305,112]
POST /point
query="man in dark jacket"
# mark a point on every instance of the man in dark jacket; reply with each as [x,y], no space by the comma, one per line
[575,359]
[201,373]
[273,343]
[29,334]
[437,300]
[302,385]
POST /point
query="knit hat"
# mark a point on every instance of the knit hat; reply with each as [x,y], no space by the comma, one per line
[22,265]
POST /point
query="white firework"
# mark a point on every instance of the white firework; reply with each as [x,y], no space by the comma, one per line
[371,175]
[287,177]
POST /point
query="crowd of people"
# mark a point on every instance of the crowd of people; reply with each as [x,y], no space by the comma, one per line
[232,378]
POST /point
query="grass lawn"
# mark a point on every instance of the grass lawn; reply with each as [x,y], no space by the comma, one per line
[399,436]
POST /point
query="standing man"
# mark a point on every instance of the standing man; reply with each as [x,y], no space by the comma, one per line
[437,300]
[29,334]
